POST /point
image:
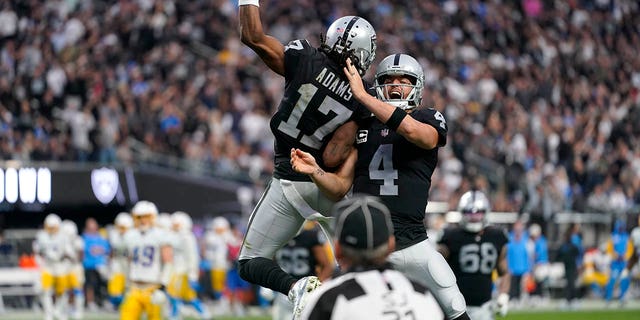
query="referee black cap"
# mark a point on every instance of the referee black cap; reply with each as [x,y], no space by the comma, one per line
[362,222]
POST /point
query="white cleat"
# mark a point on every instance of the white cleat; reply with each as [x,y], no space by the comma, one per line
[299,294]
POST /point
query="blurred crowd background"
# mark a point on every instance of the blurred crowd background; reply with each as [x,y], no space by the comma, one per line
[541,96]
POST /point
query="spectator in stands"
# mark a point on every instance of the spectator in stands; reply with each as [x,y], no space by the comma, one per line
[508,111]
[96,255]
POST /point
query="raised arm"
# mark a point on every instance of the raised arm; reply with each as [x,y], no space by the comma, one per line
[268,48]
[421,134]
[334,185]
[340,145]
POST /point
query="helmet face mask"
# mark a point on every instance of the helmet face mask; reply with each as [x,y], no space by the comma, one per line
[400,66]
[474,206]
[351,37]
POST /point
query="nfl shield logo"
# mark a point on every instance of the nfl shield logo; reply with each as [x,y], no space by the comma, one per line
[384,132]
[104,182]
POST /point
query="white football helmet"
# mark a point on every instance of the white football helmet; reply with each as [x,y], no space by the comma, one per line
[164,221]
[144,208]
[52,223]
[400,65]
[69,228]
[351,37]
[181,221]
[124,220]
[220,224]
[474,206]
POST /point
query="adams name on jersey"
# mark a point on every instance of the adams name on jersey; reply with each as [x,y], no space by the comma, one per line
[317,100]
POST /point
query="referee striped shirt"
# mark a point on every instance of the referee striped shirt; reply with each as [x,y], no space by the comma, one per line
[371,295]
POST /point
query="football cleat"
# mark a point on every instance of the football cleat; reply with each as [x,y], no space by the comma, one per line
[299,294]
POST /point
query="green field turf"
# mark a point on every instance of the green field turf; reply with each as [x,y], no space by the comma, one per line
[605,314]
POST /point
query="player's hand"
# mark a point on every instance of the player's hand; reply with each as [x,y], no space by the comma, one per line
[355,81]
[158,297]
[303,162]
[502,304]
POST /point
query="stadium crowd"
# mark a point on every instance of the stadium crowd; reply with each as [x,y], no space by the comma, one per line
[540,96]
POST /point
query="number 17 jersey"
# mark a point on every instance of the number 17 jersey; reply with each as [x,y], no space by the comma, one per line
[317,100]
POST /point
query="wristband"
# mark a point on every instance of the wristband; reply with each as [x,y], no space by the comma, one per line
[396,118]
[248,2]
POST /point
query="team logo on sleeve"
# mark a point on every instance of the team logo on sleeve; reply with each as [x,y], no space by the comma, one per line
[362,136]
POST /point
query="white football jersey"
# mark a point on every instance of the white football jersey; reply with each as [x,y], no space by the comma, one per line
[186,259]
[119,261]
[216,249]
[144,250]
[51,250]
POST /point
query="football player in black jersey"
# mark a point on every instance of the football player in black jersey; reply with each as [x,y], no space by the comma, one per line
[307,254]
[317,100]
[395,154]
[474,250]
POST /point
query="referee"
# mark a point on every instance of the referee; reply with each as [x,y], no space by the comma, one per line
[369,289]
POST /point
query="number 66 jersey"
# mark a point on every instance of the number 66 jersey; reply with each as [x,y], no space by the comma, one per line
[473,257]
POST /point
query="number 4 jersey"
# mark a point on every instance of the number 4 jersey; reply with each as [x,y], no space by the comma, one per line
[399,172]
[317,100]
[473,257]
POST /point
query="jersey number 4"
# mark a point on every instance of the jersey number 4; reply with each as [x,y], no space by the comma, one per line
[381,168]
[290,127]
[474,258]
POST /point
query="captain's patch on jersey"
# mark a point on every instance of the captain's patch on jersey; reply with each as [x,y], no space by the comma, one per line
[362,136]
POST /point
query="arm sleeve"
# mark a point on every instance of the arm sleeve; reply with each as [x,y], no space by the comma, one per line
[435,119]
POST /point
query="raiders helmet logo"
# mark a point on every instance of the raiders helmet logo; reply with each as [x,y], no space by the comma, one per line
[105,184]
[362,136]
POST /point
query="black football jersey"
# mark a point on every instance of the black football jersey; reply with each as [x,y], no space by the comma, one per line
[473,257]
[317,100]
[399,172]
[297,257]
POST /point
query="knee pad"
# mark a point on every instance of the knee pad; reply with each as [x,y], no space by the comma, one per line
[441,272]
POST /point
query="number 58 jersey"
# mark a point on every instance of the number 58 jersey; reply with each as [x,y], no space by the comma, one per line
[143,248]
[317,100]
[473,257]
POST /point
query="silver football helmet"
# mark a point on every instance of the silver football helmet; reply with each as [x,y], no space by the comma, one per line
[351,37]
[474,206]
[400,65]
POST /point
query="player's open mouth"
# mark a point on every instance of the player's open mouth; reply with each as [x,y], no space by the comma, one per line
[395,95]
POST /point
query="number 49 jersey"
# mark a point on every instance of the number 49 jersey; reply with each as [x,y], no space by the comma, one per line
[145,264]
[317,100]
[473,257]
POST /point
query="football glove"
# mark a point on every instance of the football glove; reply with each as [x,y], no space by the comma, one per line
[159,296]
[502,304]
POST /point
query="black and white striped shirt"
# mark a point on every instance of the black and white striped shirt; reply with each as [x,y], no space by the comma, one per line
[371,295]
